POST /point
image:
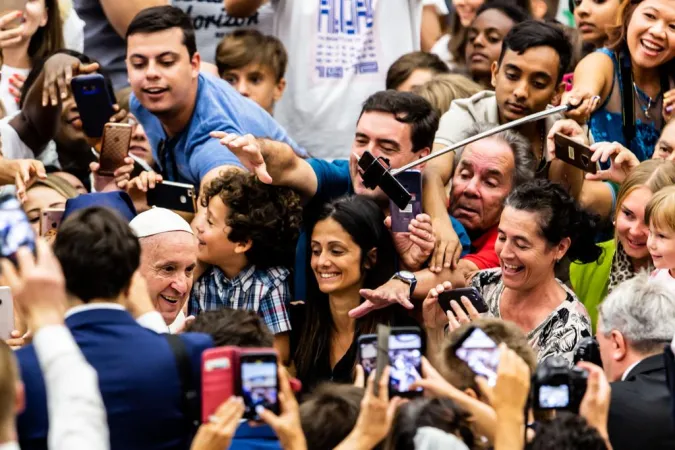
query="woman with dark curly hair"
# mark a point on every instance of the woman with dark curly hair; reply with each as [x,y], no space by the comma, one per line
[247,232]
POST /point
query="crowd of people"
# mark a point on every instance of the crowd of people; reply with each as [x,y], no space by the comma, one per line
[545,250]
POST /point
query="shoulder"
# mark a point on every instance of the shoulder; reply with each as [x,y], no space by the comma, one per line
[336,167]
[273,275]
[196,342]
[487,277]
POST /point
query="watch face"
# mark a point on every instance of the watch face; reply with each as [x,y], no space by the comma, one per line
[407,275]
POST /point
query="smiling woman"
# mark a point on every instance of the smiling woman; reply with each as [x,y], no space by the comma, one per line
[540,225]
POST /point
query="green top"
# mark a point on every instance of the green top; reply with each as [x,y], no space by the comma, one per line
[590,281]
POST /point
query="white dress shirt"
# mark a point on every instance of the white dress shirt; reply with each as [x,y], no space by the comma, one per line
[10,446]
[77,416]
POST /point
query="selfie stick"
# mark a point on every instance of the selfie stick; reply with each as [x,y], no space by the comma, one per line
[377,172]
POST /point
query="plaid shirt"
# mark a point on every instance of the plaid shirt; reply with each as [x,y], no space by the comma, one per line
[263,291]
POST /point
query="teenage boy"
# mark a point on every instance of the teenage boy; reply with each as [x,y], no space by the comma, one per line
[247,233]
[254,64]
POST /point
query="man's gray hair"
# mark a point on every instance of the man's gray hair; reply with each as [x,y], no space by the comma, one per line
[520,146]
[642,310]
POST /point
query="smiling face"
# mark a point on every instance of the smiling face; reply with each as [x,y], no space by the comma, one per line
[168,261]
[631,230]
[336,258]
[525,84]
[593,17]
[661,244]
[384,136]
[482,180]
[526,258]
[256,82]
[484,41]
[161,73]
[666,143]
[466,10]
[651,33]
[212,233]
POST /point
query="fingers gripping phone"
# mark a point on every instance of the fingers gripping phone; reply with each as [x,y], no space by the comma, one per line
[114,147]
[405,360]
[8,6]
[15,229]
[479,352]
[95,99]
[411,180]
[259,381]
[471,293]
[574,153]
[50,220]
[175,196]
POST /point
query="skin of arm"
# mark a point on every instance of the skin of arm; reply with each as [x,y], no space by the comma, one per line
[435,176]
[427,280]
[242,8]
[288,169]
[120,14]
[597,196]
[509,435]
[594,74]
[7,171]
[567,175]
[282,344]
[431,27]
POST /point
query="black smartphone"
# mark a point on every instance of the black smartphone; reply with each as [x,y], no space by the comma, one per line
[15,229]
[95,99]
[574,153]
[368,353]
[405,361]
[444,299]
[411,180]
[175,196]
[479,352]
[259,381]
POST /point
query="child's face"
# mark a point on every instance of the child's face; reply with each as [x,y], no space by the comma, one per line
[256,82]
[661,245]
[209,225]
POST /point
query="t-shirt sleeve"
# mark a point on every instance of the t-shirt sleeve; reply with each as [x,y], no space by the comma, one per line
[452,126]
[485,257]
[332,178]
[208,156]
[12,145]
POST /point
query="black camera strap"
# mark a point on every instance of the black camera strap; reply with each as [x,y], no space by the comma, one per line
[189,390]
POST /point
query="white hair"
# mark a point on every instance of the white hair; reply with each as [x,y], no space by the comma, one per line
[642,310]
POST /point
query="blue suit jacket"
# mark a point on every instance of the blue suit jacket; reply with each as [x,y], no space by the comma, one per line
[137,375]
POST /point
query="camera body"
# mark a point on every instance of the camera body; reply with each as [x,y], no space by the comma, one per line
[588,350]
[557,386]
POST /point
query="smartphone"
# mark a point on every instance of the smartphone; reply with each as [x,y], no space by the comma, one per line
[471,293]
[6,313]
[114,147]
[368,353]
[50,220]
[8,6]
[405,361]
[175,196]
[479,352]
[411,180]
[219,378]
[259,381]
[553,396]
[15,229]
[95,99]
[574,153]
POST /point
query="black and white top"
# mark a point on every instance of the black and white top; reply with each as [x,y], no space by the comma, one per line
[558,334]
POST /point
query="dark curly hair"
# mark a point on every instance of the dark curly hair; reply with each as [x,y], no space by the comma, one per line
[560,216]
[268,216]
[567,432]
[233,327]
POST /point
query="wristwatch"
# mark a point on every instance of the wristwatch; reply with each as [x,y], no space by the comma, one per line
[406,277]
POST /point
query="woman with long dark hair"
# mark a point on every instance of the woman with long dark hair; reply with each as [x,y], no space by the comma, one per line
[350,250]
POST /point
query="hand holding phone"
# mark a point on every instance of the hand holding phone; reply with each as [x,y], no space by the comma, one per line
[8,7]
[114,147]
[574,153]
[405,361]
[175,196]
[471,293]
[479,352]
[50,220]
[15,229]
[411,180]
[95,99]
[259,381]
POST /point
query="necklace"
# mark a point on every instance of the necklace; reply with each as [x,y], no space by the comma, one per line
[642,98]
[541,163]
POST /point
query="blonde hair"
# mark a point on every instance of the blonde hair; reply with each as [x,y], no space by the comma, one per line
[9,375]
[654,174]
[442,90]
[660,211]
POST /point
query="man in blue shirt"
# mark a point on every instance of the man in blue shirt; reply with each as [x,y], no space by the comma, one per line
[178,106]
[399,126]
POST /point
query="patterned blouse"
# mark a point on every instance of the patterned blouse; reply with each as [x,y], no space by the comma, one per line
[558,335]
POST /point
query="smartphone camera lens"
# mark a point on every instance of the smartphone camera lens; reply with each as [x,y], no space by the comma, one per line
[183,199]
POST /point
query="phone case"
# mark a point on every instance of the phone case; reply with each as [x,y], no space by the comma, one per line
[175,196]
[6,313]
[411,180]
[7,6]
[94,102]
[50,220]
[114,147]
[471,293]
[574,153]
[220,369]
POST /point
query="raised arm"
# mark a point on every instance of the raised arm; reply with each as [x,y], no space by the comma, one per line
[273,162]
[242,8]
[121,13]
[592,85]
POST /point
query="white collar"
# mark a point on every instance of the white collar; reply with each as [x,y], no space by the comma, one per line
[90,307]
[631,367]
[10,446]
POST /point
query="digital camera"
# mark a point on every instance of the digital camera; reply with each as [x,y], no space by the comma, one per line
[588,350]
[557,386]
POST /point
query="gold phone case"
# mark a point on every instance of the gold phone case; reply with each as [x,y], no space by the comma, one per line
[114,147]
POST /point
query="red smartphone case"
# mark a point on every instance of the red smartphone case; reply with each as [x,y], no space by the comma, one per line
[220,371]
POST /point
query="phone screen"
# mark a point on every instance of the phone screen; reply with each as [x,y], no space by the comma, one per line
[481,354]
[368,355]
[15,229]
[259,386]
[405,359]
[554,397]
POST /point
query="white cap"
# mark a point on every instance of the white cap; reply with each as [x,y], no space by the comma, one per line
[156,221]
